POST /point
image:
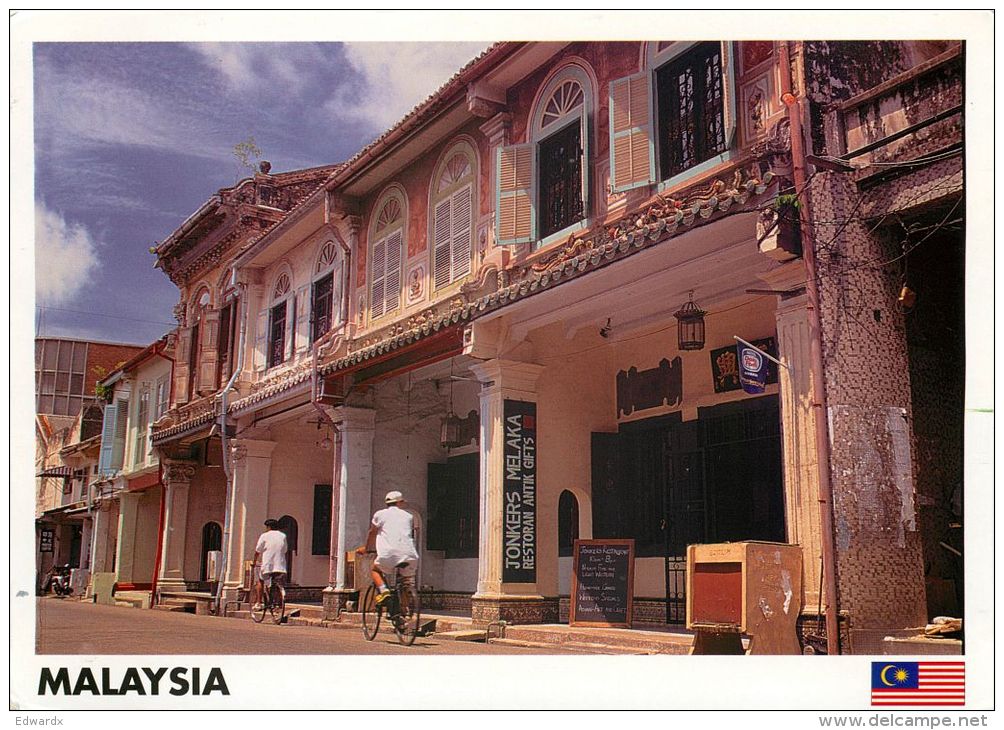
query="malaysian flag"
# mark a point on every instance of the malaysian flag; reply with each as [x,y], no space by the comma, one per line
[918,683]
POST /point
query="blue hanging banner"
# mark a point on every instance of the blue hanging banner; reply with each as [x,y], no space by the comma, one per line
[752,369]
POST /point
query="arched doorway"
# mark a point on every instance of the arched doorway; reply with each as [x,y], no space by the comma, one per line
[212,539]
[288,526]
[568,523]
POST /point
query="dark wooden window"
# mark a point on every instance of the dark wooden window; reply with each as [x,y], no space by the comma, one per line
[277,335]
[560,180]
[691,109]
[453,491]
[668,484]
[320,306]
[320,543]
[228,343]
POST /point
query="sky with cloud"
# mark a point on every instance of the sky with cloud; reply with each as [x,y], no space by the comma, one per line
[131,138]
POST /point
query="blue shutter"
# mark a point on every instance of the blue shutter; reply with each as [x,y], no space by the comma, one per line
[107,439]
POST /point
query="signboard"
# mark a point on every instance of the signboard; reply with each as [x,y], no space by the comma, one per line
[46,539]
[602,583]
[725,365]
[752,369]
[519,493]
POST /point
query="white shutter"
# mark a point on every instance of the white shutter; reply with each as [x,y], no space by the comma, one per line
[336,296]
[107,440]
[441,230]
[632,144]
[392,278]
[289,336]
[261,341]
[119,435]
[302,318]
[462,233]
[515,217]
[378,268]
[584,162]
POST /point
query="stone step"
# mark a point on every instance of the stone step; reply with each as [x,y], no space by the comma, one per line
[175,609]
[463,635]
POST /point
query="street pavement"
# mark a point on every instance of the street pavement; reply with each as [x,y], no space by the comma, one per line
[67,626]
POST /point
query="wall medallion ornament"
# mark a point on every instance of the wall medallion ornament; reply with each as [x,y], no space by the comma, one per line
[416,283]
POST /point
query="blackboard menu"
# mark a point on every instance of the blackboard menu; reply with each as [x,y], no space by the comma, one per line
[602,583]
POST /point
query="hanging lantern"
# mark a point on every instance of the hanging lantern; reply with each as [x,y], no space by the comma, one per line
[450,435]
[690,325]
[451,431]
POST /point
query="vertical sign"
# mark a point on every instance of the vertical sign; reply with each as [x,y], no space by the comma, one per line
[519,493]
[752,369]
[45,541]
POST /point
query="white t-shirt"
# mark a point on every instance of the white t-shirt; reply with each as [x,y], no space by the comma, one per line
[272,546]
[395,534]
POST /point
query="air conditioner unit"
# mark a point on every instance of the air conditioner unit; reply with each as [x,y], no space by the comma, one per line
[214,559]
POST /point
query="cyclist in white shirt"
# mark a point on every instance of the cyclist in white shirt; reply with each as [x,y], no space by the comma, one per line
[392,537]
[270,554]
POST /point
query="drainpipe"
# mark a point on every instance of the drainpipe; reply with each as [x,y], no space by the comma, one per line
[231,487]
[160,533]
[795,107]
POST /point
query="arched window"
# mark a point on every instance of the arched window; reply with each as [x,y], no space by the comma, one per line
[212,539]
[287,525]
[386,253]
[568,523]
[543,185]
[278,327]
[674,118]
[322,291]
[200,336]
[452,200]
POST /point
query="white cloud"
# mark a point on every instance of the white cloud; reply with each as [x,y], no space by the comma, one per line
[263,66]
[65,257]
[397,77]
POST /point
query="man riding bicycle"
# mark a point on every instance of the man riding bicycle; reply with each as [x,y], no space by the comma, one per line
[392,537]
[271,552]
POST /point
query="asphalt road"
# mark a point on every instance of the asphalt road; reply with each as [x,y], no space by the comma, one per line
[73,627]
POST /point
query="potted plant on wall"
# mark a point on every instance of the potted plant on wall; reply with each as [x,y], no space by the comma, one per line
[779,230]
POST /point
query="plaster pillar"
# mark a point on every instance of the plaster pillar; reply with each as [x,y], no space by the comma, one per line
[125,561]
[801,478]
[351,495]
[177,481]
[252,466]
[495,600]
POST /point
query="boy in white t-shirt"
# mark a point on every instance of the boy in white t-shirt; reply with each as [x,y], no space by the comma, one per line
[392,537]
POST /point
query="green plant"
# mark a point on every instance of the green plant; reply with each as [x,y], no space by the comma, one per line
[787,200]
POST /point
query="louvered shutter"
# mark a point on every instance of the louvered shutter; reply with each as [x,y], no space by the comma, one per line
[584,163]
[209,356]
[442,233]
[119,435]
[261,341]
[378,268]
[302,318]
[392,278]
[292,325]
[182,365]
[515,217]
[461,246]
[632,144]
[107,440]
[728,93]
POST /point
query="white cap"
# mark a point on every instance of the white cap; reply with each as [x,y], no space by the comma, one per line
[392,497]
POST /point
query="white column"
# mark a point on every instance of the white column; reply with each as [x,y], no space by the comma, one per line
[501,380]
[801,480]
[352,488]
[177,480]
[126,547]
[252,467]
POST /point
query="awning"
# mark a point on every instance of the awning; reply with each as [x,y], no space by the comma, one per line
[56,471]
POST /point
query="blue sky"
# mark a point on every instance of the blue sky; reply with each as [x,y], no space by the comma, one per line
[131,138]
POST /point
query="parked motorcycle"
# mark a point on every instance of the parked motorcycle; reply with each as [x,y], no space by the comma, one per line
[59,580]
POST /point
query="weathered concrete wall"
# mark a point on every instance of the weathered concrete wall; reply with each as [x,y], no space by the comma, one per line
[205,504]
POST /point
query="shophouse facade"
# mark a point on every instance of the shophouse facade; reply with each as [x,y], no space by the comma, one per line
[480,309]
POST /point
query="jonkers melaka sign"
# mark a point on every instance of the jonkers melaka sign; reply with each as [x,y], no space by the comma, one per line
[519,493]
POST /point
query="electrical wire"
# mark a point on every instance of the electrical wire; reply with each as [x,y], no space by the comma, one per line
[42,308]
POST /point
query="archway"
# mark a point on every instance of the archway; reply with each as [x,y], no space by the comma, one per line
[288,525]
[212,539]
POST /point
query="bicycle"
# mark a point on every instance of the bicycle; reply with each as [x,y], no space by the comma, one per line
[403,609]
[271,601]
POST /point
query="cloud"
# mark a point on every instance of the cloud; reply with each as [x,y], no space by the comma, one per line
[65,257]
[268,67]
[396,77]
[79,110]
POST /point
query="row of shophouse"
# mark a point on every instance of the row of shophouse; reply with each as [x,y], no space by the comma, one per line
[565,240]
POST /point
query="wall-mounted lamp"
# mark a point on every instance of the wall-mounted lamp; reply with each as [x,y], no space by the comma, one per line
[690,325]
